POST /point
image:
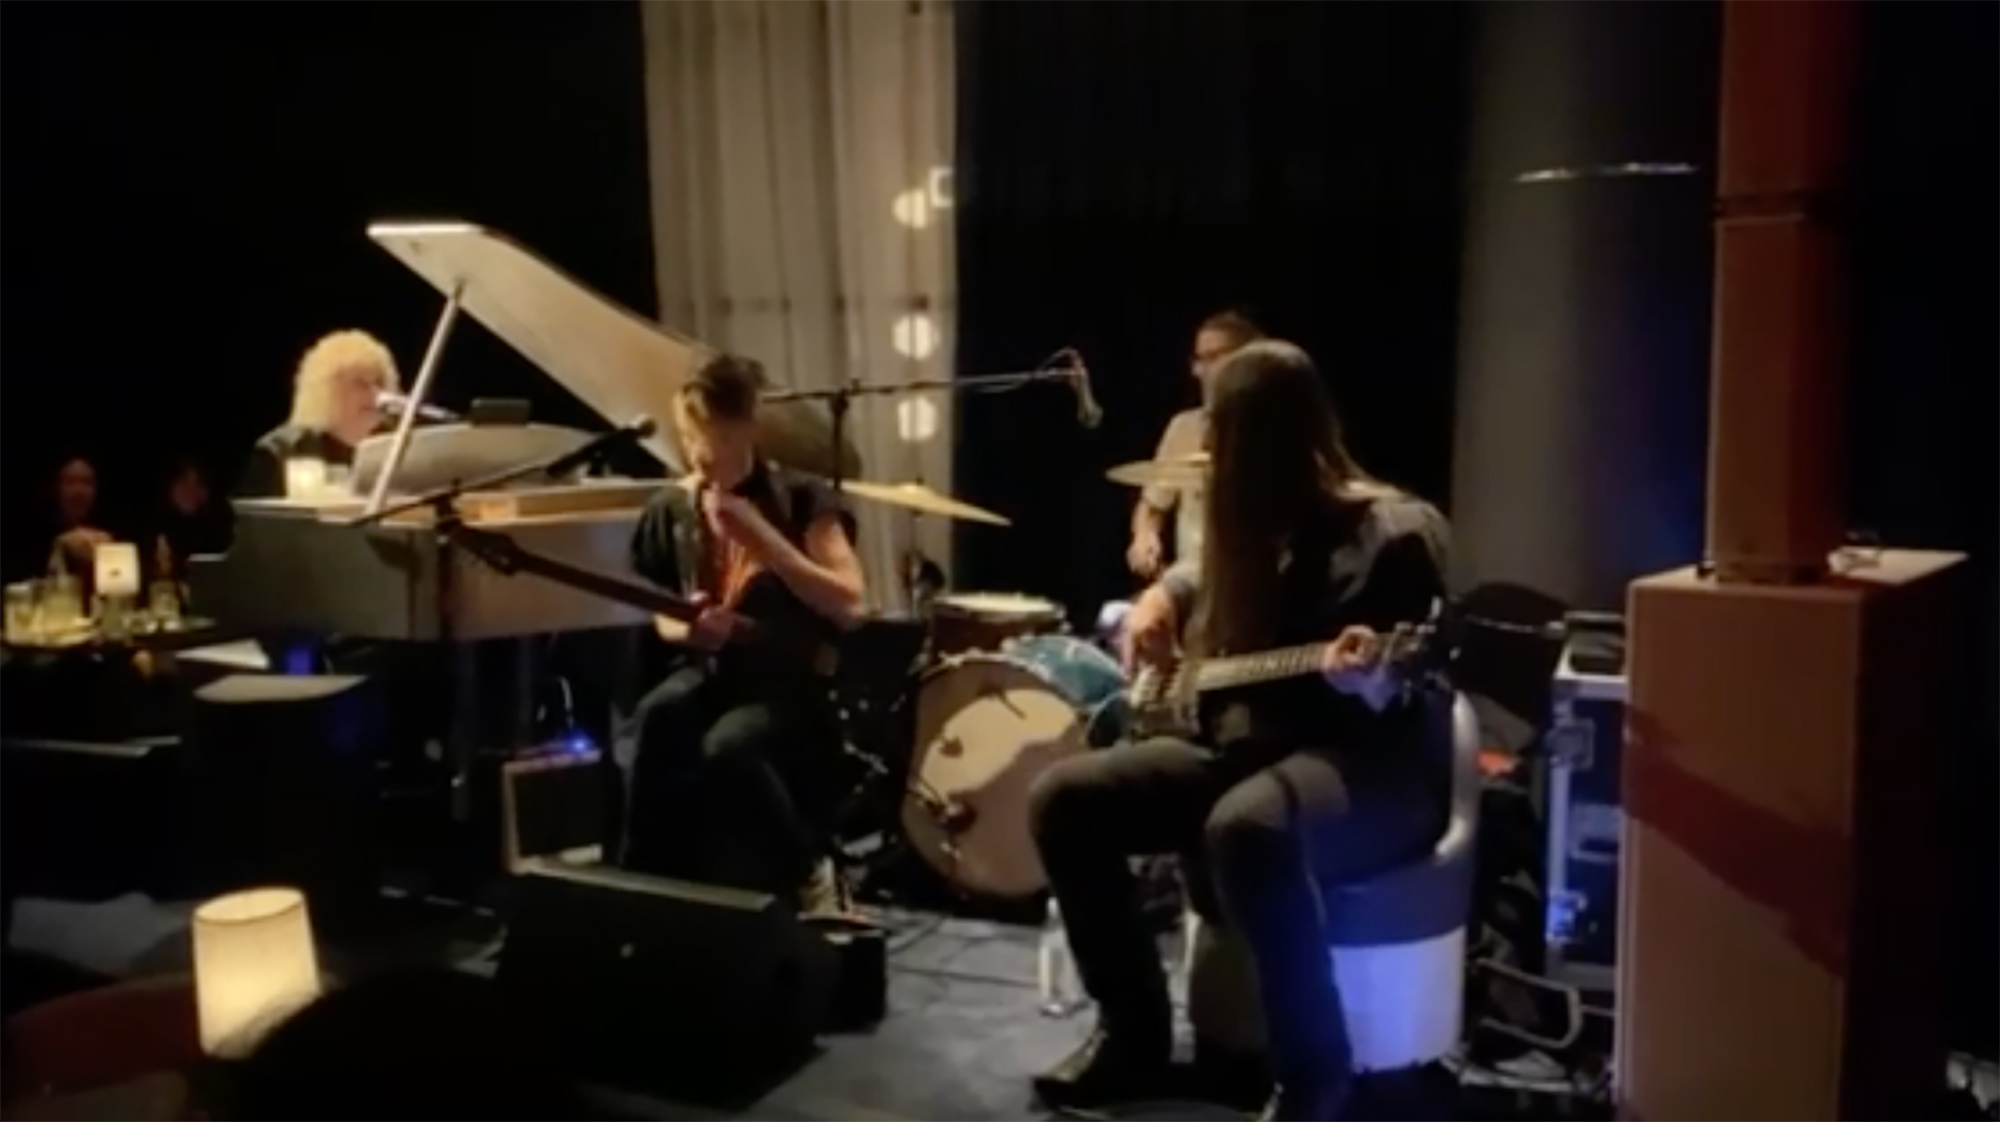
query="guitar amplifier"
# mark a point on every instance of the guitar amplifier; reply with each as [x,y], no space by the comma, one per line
[693,992]
[1584,810]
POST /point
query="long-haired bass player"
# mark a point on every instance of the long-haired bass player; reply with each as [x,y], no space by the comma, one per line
[1288,785]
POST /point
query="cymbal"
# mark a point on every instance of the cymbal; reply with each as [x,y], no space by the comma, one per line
[923,500]
[799,435]
[1180,473]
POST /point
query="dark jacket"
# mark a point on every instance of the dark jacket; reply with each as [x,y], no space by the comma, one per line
[264,475]
[1384,569]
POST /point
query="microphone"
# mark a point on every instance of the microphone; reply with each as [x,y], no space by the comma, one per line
[395,405]
[1088,413]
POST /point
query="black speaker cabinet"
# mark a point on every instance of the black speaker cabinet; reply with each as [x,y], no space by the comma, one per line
[683,990]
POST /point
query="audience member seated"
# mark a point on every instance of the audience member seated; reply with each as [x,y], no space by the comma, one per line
[188,520]
[66,531]
[418,1044]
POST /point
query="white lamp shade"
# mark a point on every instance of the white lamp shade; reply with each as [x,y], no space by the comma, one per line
[254,965]
[117,569]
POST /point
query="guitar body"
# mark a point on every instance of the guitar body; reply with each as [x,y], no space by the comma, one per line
[786,639]
[781,636]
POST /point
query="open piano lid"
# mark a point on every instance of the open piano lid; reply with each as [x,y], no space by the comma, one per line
[620,364]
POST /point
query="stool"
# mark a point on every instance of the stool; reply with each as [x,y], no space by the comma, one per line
[280,773]
[1397,940]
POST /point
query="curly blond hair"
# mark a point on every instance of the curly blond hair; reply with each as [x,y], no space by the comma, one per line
[313,394]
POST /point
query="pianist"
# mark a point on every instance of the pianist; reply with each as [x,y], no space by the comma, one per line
[732,777]
[334,408]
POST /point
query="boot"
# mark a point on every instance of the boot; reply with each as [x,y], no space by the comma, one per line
[1105,1072]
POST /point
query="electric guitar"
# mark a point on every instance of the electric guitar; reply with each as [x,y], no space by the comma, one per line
[1169,702]
[808,644]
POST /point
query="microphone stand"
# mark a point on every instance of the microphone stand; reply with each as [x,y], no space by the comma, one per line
[449,527]
[839,399]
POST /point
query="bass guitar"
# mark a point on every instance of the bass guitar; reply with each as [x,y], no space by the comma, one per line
[1169,702]
[805,644]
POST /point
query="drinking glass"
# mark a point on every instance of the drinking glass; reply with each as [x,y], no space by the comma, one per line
[114,617]
[163,603]
[20,611]
[61,603]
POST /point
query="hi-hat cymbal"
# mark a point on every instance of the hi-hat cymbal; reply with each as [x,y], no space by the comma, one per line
[1181,472]
[923,500]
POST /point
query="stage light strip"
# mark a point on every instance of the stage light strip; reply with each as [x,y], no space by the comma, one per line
[1632,170]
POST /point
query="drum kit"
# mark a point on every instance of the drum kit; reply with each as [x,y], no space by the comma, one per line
[999,691]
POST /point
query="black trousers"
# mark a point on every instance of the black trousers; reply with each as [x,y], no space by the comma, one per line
[1266,825]
[731,782]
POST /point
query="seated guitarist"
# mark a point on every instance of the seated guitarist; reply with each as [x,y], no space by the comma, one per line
[1289,783]
[731,780]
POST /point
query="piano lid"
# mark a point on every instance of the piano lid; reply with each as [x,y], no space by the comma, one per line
[617,362]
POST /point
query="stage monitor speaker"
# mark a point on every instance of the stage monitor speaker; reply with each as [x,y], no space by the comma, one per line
[683,990]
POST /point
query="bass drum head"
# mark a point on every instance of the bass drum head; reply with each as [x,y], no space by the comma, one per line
[986,729]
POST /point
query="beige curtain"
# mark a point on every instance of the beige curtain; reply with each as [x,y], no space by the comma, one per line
[800,163]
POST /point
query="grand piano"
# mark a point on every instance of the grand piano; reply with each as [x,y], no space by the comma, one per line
[305,567]
[300,566]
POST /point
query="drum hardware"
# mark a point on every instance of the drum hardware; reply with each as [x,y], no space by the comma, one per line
[951,815]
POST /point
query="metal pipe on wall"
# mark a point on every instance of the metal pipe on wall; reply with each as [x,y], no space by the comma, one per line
[1584,351]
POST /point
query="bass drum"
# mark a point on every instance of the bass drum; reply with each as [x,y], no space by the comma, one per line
[987,725]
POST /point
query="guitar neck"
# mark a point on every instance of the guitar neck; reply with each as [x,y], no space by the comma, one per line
[1235,671]
[610,588]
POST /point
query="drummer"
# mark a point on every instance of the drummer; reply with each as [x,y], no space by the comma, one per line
[1185,436]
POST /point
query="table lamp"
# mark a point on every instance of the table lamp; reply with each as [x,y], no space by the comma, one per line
[254,965]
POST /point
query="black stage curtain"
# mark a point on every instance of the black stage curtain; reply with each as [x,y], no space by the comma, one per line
[1925,366]
[1124,170]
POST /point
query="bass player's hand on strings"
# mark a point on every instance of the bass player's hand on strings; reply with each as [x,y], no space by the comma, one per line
[1353,665]
[1150,631]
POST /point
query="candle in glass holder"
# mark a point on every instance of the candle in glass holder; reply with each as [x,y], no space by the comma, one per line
[305,477]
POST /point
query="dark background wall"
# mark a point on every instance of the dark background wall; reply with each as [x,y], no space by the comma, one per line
[187,187]
[1126,169]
